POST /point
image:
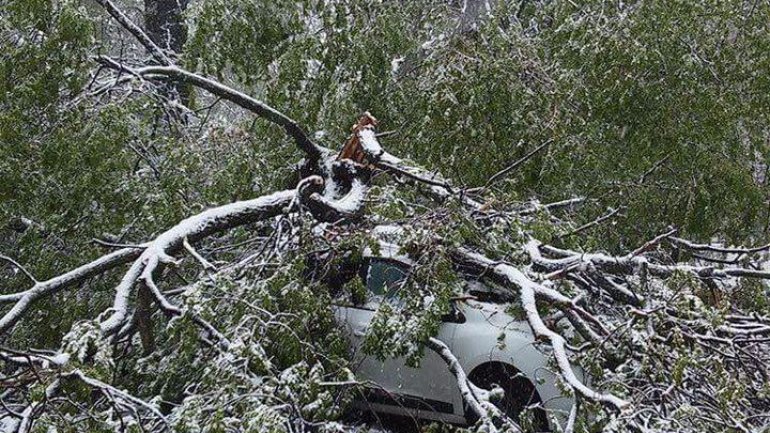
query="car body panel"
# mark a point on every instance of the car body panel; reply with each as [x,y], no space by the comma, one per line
[430,381]
[488,333]
[491,335]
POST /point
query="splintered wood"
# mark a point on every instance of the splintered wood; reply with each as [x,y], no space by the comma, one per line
[352,149]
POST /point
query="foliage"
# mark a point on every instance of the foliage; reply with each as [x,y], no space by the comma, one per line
[656,108]
[674,89]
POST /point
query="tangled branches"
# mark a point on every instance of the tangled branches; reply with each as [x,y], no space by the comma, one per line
[662,343]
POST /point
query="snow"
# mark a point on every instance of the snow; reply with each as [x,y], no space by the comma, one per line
[385,230]
[369,143]
[351,202]
[9,424]
[157,251]
[330,186]
[395,64]
[427,301]
[388,237]
[60,359]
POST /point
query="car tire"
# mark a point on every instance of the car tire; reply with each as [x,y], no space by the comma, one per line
[519,393]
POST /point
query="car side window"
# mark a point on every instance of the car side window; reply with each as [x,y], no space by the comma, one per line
[383,280]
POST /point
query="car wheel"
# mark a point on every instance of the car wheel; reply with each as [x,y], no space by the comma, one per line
[519,393]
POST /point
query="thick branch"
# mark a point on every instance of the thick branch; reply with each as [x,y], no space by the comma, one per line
[440,189]
[193,229]
[292,128]
[72,278]
[350,206]
[529,291]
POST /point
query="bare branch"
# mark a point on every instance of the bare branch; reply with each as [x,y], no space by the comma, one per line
[504,172]
[652,169]
[593,223]
[652,243]
[16,265]
[205,263]
[569,203]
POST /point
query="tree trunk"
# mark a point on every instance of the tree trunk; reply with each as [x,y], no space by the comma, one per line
[165,25]
[144,322]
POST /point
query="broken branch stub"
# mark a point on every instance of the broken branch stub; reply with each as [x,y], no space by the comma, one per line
[353,148]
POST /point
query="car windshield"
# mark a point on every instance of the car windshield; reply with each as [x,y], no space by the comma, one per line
[384,279]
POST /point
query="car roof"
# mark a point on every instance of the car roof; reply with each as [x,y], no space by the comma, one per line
[388,237]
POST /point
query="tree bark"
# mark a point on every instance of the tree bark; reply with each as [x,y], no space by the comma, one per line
[165,25]
[144,321]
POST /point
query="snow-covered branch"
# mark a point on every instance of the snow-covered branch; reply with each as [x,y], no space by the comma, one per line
[24,300]
[633,263]
[313,151]
[350,206]
[136,31]
[158,252]
[473,396]
[169,69]
[529,291]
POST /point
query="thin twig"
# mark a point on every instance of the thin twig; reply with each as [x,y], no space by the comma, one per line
[652,243]
[593,223]
[652,169]
[504,172]
[716,248]
[20,267]
[205,263]
[116,244]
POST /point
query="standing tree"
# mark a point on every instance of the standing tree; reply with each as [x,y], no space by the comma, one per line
[166,27]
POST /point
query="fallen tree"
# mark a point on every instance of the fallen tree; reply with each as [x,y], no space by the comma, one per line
[665,343]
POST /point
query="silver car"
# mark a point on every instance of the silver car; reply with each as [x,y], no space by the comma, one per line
[493,348]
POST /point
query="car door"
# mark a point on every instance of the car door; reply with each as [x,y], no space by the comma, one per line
[428,388]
